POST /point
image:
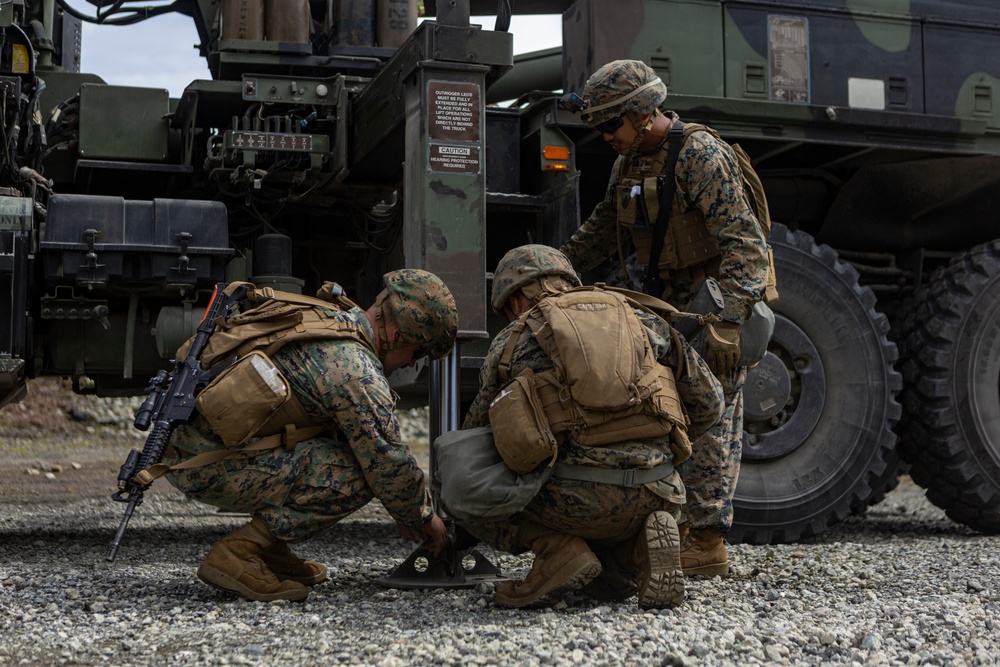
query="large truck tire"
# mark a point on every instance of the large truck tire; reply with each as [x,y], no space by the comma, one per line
[951,397]
[819,409]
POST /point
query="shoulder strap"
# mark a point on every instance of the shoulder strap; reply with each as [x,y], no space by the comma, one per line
[651,281]
[503,367]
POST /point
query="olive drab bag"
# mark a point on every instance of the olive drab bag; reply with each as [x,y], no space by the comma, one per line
[606,385]
[251,398]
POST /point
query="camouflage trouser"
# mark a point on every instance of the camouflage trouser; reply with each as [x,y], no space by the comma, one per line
[711,473]
[602,514]
[298,493]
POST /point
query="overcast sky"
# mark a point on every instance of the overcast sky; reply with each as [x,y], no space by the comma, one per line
[160,52]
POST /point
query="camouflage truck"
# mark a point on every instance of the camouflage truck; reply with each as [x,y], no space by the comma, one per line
[332,141]
[322,149]
[874,127]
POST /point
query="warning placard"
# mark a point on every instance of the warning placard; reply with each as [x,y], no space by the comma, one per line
[454,159]
[453,113]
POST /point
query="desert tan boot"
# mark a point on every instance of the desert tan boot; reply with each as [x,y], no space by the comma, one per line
[233,564]
[657,556]
[704,553]
[562,563]
[280,560]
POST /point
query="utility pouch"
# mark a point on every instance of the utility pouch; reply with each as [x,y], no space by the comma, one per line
[755,334]
[243,397]
[668,404]
[629,194]
[521,430]
[771,286]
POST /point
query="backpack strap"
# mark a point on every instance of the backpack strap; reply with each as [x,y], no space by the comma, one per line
[652,283]
[503,367]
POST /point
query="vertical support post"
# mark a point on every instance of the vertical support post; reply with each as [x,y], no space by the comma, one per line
[445,186]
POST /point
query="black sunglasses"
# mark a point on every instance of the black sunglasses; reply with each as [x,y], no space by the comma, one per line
[610,126]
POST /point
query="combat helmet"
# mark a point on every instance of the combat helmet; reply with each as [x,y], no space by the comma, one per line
[525,264]
[619,87]
[424,310]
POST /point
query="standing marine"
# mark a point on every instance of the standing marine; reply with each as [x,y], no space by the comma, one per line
[712,231]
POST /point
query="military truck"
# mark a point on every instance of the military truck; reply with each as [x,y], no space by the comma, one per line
[339,140]
[873,125]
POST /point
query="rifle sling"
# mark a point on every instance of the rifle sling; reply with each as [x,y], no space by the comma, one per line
[291,437]
[675,138]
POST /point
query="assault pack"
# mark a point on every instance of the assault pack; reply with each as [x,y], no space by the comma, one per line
[606,385]
[251,398]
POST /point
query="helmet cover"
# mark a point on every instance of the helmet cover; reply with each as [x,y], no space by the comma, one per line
[524,264]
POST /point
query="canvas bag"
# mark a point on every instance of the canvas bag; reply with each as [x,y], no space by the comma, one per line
[475,483]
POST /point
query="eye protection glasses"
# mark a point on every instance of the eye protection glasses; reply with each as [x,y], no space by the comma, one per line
[610,126]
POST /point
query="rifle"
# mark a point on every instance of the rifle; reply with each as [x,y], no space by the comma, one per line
[170,401]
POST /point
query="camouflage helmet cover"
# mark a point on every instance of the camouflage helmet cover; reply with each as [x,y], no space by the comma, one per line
[424,310]
[524,264]
[619,87]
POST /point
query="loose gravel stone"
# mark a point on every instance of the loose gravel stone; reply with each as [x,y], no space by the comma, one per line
[900,586]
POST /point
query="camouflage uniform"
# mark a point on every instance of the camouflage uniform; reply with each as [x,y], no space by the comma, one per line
[603,514]
[301,492]
[708,180]
[341,384]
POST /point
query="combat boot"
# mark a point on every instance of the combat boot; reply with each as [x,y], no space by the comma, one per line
[562,563]
[289,567]
[657,557]
[704,553]
[234,565]
[617,578]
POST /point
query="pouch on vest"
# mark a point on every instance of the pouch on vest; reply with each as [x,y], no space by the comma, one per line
[243,397]
[520,428]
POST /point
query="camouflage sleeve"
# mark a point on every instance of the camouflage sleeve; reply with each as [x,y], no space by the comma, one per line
[489,383]
[700,392]
[708,178]
[343,382]
[699,389]
[597,237]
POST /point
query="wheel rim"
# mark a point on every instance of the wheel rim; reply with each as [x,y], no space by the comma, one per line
[784,395]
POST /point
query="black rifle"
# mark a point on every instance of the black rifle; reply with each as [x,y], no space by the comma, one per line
[170,401]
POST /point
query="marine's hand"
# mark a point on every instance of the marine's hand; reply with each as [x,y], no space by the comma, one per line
[722,346]
[411,534]
[432,533]
[436,535]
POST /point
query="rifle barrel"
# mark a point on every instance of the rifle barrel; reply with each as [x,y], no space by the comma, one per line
[134,499]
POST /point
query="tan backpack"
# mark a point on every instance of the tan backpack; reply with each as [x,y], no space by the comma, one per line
[606,385]
[251,398]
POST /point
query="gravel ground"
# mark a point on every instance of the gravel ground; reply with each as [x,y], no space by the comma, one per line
[901,586]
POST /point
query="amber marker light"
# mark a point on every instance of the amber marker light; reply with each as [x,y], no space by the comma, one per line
[559,153]
[555,153]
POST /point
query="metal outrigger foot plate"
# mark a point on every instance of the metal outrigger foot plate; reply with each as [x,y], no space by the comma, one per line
[455,569]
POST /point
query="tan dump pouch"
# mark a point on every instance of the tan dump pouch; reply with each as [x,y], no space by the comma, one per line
[520,429]
[243,398]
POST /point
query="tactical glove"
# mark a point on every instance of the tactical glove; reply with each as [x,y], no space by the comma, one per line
[722,346]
